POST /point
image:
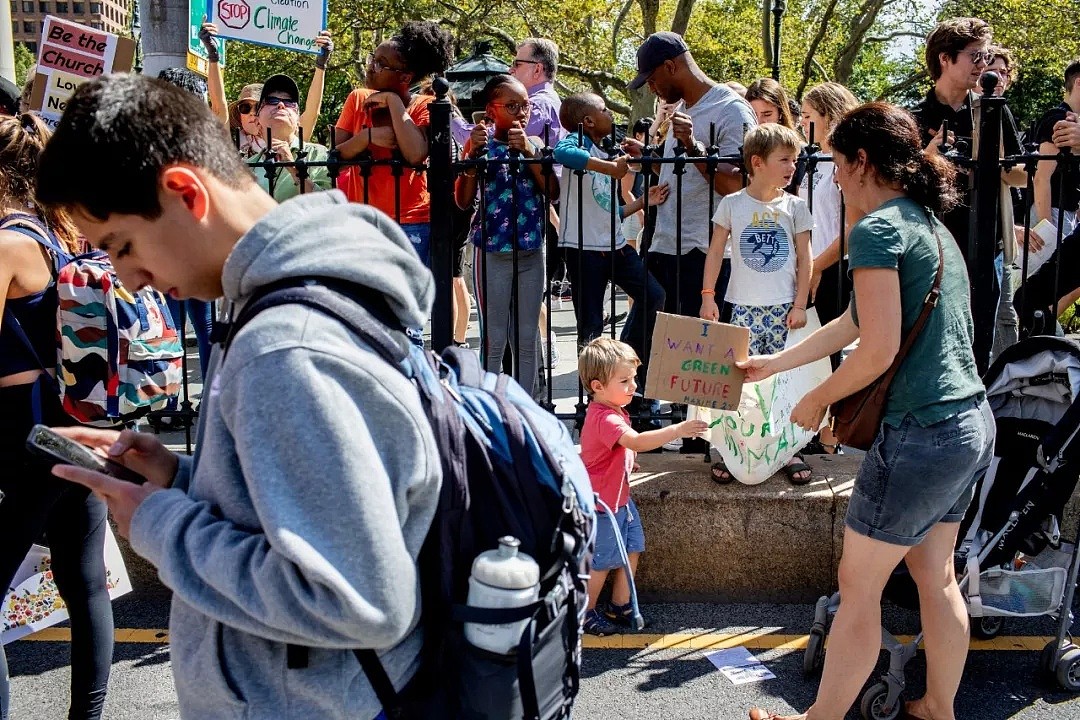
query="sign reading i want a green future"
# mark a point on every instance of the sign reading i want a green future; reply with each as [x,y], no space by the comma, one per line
[196,53]
[288,24]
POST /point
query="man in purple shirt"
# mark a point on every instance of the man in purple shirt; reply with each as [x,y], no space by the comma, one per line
[535,65]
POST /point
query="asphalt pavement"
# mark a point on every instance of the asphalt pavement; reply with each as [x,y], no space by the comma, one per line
[680,684]
[670,678]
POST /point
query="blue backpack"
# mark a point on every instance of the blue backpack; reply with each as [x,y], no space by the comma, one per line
[509,468]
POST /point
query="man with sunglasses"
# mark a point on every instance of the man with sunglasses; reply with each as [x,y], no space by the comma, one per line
[958,52]
[279,112]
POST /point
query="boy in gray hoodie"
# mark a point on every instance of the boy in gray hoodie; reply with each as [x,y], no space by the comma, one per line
[300,518]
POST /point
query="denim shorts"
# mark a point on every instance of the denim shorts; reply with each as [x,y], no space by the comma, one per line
[419,235]
[606,555]
[915,477]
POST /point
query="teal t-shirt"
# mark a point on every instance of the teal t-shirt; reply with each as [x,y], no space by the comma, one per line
[939,373]
[285,186]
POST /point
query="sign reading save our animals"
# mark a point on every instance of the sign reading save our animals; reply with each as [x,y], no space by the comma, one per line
[288,24]
[693,362]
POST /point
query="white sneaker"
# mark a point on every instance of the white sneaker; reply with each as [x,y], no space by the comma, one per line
[551,361]
[674,445]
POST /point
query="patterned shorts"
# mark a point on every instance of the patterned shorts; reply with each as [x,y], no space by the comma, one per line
[767,324]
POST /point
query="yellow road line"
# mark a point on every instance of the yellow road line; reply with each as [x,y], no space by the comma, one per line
[757,639]
[122,635]
[764,640]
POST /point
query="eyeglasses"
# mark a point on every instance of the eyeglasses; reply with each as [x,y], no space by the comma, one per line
[981,56]
[514,108]
[280,101]
[246,108]
[525,62]
[379,67]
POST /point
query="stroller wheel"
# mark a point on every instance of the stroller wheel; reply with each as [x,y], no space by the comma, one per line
[814,655]
[1067,670]
[986,628]
[1048,656]
[872,706]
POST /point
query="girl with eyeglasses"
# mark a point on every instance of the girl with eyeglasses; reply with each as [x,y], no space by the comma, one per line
[509,236]
[242,115]
[384,119]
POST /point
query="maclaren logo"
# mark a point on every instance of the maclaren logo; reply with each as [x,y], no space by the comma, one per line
[234,13]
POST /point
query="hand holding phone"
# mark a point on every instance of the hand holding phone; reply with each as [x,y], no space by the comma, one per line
[49,444]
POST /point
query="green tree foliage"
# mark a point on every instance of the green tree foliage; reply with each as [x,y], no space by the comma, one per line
[24,60]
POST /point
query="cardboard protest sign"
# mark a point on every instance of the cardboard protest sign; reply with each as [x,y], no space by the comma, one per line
[693,362]
[197,61]
[70,55]
[288,24]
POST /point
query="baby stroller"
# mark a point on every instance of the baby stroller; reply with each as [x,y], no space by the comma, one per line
[1010,556]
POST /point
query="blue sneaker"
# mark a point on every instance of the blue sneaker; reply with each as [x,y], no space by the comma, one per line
[622,615]
[596,623]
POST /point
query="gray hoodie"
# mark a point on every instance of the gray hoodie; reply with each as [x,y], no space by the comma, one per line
[316,478]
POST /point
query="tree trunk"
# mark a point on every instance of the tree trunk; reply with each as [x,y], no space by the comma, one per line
[681,21]
[164,34]
[649,10]
[857,30]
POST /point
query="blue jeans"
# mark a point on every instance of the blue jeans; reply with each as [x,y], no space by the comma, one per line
[419,235]
[202,319]
[896,500]
[590,271]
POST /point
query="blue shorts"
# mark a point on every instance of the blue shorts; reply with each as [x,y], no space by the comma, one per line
[915,477]
[419,235]
[606,556]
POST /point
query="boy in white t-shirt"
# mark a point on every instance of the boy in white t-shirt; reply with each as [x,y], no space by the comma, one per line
[770,257]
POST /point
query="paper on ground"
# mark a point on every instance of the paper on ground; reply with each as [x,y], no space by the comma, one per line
[739,665]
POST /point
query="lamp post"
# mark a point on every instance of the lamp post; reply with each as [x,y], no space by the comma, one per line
[778,8]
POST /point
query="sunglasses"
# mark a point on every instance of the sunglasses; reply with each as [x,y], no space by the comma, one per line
[246,108]
[978,56]
[275,101]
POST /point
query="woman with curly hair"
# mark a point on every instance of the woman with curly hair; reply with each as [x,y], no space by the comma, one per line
[384,117]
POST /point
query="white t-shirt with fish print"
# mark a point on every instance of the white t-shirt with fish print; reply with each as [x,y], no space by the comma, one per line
[762,246]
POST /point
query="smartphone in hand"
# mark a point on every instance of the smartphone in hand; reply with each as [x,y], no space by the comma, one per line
[49,444]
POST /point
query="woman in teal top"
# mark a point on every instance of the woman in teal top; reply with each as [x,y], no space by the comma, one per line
[937,438]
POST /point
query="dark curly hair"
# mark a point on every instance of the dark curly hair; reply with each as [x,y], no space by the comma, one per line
[425,47]
[889,136]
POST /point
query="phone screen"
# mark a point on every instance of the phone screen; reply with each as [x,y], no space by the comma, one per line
[45,441]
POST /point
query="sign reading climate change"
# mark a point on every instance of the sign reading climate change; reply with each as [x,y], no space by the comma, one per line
[289,24]
[70,55]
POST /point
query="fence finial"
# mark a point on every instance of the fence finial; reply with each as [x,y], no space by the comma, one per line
[989,81]
[440,86]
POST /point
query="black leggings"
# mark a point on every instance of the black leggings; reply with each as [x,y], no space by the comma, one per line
[74,521]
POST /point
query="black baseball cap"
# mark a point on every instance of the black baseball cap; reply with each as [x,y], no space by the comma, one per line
[280,83]
[10,95]
[656,49]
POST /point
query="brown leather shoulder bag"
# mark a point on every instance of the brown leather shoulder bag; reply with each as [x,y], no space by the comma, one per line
[856,418]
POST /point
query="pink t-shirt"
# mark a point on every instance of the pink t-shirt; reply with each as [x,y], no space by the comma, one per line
[609,463]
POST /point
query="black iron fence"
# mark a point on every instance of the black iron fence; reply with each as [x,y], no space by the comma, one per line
[445,165]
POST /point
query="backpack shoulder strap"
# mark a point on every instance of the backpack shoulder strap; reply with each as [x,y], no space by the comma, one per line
[361,309]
